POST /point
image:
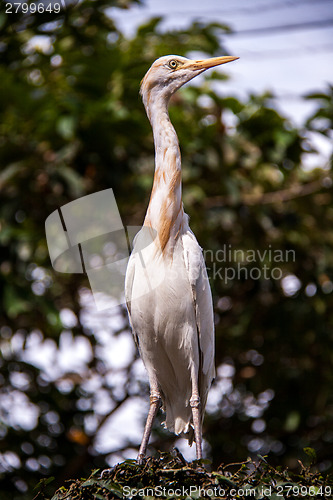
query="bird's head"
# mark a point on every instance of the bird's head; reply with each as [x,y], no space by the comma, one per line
[168,73]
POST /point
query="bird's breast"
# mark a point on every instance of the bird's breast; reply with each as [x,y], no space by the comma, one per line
[161,296]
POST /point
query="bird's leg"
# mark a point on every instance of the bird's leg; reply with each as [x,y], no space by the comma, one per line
[155,403]
[196,413]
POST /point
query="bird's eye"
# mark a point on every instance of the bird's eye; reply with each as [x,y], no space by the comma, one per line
[173,64]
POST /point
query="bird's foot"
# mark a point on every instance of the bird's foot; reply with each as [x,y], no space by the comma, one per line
[141,459]
[176,453]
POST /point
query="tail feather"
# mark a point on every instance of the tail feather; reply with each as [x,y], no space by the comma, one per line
[179,417]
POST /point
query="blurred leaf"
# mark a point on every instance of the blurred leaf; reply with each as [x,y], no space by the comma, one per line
[310,452]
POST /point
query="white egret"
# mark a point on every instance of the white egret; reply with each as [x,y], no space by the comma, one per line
[172,317]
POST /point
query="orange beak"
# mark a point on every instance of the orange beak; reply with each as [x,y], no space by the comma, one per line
[211,62]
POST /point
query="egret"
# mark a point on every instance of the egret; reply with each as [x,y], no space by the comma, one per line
[171,318]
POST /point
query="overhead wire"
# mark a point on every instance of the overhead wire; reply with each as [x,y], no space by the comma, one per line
[253,10]
[271,30]
[287,53]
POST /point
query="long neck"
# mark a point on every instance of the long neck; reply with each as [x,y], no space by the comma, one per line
[165,210]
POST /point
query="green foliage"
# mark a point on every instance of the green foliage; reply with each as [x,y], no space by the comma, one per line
[171,476]
[71,123]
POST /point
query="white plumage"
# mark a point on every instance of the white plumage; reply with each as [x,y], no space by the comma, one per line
[174,325]
[167,290]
